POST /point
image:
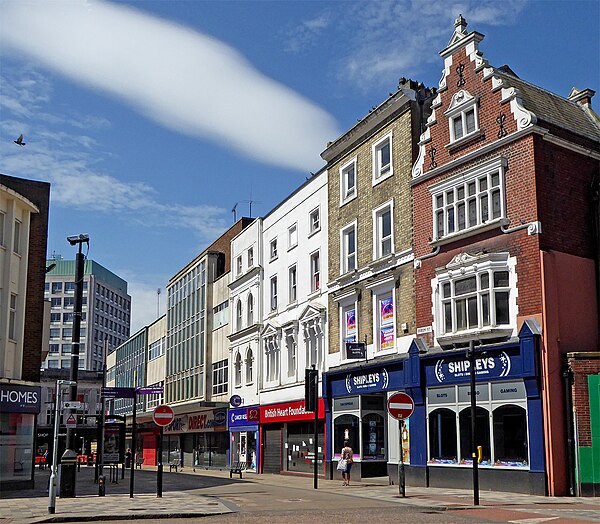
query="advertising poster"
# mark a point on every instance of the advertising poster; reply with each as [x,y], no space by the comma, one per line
[114,443]
[350,322]
[387,310]
[387,337]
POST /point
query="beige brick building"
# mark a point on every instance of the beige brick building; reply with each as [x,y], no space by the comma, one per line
[370,228]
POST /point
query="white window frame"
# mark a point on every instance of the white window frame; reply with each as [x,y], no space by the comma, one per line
[476,267]
[382,172]
[292,350]
[450,196]
[462,103]
[293,284]
[273,292]
[12,317]
[292,236]
[378,227]
[237,369]
[239,265]
[250,309]
[311,222]
[273,249]
[315,275]
[272,355]
[250,257]
[345,194]
[249,368]
[239,315]
[17,237]
[379,294]
[344,254]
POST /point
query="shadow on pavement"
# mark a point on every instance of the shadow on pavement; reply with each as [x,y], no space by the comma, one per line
[144,483]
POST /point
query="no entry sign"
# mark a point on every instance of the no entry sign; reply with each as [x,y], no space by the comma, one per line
[401,406]
[163,415]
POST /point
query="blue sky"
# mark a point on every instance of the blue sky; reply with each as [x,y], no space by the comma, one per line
[151,119]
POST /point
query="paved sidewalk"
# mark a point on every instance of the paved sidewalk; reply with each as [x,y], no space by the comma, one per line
[202,493]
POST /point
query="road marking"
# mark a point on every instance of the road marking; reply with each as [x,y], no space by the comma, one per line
[533,521]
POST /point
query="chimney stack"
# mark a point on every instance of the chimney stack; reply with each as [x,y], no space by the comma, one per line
[582,96]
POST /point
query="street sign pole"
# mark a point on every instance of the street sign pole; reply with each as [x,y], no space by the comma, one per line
[159,476]
[316,436]
[401,407]
[163,415]
[401,472]
[133,445]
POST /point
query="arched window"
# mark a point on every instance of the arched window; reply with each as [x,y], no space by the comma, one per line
[238,315]
[238,369]
[250,312]
[346,427]
[249,363]
[442,436]
[510,436]
[482,423]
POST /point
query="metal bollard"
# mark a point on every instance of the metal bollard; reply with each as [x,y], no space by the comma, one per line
[101,486]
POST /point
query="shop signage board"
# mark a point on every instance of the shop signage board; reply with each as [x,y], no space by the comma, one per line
[356,350]
[19,399]
[73,404]
[150,390]
[401,406]
[488,366]
[118,392]
[368,382]
[235,401]
[289,412]
[163,415]
[243,417]
[199,421]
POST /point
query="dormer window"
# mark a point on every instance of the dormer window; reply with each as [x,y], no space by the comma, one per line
[463,117]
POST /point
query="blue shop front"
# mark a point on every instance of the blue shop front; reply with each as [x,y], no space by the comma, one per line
[436,442]
[243,431]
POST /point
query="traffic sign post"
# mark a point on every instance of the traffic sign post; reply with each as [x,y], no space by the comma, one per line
[401,407]
[163,415]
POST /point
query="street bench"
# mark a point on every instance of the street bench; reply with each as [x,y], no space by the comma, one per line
[237,467]
[175,463]
[138,462]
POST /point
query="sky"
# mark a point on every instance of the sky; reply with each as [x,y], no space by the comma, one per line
[153,119]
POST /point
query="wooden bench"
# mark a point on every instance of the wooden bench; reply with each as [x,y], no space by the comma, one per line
[237,467]
[175,463]
[138,462]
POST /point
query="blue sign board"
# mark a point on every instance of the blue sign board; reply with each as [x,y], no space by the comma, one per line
[150,390]
[235,401]
[20,399]
[489,365]
[367,380]
[243,417]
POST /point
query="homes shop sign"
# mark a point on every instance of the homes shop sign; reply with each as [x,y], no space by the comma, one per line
[243,416]
[456,369]
[202,421]
[289,412]
[19,399]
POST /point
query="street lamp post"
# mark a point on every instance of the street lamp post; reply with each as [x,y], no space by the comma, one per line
[69,457]
[52,487]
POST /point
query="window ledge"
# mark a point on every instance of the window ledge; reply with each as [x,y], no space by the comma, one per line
[314,294]
[313,233]
[292,247]
[385,176]
[345,201]
[465,233]
[478,334]
[291,305]
[464,140]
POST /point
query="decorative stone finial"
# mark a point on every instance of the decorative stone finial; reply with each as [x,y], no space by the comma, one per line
[461,23]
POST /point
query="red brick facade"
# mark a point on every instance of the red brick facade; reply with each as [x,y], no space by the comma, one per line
[582,366]
[549,173]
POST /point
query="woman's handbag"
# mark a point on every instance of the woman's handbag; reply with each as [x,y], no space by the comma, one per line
[342,464]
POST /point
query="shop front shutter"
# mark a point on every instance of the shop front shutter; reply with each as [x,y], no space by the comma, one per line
[272,450]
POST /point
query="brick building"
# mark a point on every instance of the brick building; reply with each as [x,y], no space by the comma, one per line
[505,211]
[371,290]
[23,239]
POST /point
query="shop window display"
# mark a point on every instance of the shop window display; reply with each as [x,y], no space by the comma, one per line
[482,422]
[300,447]
[510,436]
[373,437]
[442,437]
[346,427]
[16,444]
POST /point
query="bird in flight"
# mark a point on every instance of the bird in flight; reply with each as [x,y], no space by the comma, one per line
[19,141]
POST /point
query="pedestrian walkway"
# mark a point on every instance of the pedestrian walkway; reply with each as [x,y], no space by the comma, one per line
[211,492]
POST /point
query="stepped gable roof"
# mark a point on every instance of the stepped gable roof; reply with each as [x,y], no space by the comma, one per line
[552,108]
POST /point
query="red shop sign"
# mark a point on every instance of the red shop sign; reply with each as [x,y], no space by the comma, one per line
[289,412]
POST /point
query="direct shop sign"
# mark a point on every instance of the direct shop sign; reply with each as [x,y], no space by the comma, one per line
[201,421]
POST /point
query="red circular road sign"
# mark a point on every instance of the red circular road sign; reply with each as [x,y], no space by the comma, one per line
[401,406]
[163,415]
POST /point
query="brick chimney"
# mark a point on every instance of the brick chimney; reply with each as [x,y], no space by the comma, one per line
[582,96]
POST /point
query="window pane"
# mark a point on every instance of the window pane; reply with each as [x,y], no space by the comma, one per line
[385,154]
[496,208]
[471,188]
[350,178]
[484,280]
[472,212]
[450,197]
[446,290]
[440,223]
[472,309]
[484,208]
[482,423]
[460,193]
[439,201]
[483,183]
[461,315]
[458,130]
[442,435]
[386,247]
[448,317]
[470,118]
[485,309]
[501,307]
[495,179]
[466,285]
[451,220]
[510,436]
[501,279]
[386,224]
[462,219]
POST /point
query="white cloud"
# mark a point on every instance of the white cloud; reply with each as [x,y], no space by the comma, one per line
[144,299]
[182,79]
[306,34]
[390,39]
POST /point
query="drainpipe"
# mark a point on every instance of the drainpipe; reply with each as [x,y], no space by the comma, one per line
[568,383]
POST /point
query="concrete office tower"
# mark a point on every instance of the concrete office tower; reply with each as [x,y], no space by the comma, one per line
[106,313]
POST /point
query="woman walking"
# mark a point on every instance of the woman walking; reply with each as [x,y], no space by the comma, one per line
[347,455]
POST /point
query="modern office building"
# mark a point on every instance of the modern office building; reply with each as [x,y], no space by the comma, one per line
[23,238]
[106,313]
